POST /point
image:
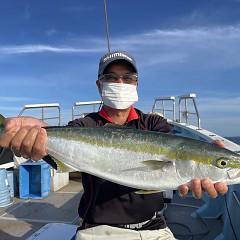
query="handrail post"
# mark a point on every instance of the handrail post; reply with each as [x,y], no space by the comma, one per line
[80,104]
[186,113]
[43,106]
[163,109]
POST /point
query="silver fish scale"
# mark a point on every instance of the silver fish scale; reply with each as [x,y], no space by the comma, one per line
[108,154]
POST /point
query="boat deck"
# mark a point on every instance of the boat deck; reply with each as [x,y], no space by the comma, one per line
[23,218]
[186,227]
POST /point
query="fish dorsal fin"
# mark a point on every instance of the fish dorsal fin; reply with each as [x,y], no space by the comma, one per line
[2,120]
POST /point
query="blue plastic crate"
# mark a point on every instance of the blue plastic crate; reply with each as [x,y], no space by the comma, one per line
[34,180]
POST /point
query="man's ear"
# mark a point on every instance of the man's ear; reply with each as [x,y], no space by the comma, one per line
[99,85]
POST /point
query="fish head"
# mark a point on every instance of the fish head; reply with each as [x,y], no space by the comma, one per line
[227,162]
[232,166]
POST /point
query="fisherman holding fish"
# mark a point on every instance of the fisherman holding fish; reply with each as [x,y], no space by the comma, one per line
[108,210]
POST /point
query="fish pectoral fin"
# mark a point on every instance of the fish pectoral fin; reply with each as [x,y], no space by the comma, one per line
[156,164]
[58,165]
[148,191]
[48,159]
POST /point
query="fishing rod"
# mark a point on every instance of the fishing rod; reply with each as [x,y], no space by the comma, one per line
[106,18]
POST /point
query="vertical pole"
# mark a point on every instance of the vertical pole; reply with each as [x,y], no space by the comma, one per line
[106,17]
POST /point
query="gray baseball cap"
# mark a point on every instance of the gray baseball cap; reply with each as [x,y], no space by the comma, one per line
[113,56]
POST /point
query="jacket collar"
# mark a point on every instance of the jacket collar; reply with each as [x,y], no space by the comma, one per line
[132,115]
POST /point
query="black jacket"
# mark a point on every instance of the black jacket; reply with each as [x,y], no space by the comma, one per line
[104,202]
[6,155]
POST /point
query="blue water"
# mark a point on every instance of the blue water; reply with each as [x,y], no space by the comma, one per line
[234,139]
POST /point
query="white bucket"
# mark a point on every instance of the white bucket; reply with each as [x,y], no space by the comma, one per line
[5,195]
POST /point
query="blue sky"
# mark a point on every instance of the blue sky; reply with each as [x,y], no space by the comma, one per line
[49,53]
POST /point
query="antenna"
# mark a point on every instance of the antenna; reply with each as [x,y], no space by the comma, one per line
[106,17]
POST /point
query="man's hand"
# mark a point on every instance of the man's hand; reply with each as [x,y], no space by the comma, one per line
[26,137]
[198,185]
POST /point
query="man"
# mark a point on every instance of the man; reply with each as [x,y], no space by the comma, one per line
[108,210]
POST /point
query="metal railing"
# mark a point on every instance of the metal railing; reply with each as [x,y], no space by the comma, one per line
[163,108]
[186,111]
[81,104]
[43,107]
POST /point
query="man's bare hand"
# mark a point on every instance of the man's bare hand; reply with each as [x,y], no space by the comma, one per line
[25,136]
[198,186]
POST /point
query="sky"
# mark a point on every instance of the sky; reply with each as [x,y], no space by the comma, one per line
[50,50]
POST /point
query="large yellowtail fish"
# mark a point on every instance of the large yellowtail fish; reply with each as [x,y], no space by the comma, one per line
[139,159]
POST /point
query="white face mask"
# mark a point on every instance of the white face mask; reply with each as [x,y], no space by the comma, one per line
[119,95]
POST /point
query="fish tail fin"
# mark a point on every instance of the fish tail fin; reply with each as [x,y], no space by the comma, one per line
[2,120]
[2,127]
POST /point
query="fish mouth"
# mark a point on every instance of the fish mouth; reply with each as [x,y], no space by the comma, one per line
[233,173]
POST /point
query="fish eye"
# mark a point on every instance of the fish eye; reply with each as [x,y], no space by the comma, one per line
[222,163]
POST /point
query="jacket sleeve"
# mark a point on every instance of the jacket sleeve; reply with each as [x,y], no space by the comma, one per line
[91,120]
[155,122]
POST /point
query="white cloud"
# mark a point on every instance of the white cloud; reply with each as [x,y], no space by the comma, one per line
[13,99]
[24,49]
[213,47]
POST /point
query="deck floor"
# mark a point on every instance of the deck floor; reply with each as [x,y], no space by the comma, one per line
[23,218]
[186,227]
